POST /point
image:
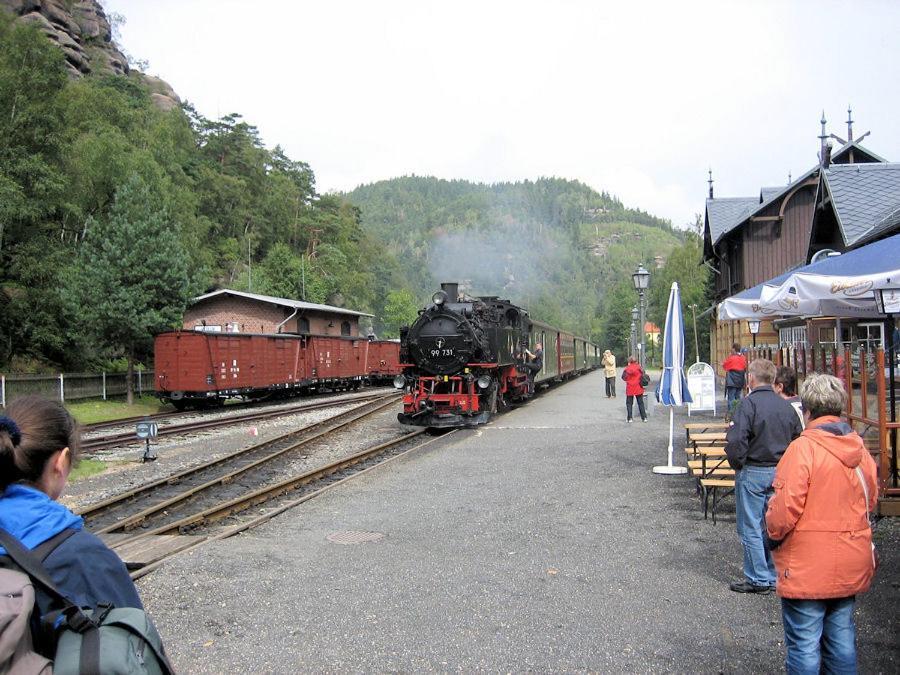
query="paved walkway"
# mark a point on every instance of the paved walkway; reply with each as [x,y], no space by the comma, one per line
[539,542]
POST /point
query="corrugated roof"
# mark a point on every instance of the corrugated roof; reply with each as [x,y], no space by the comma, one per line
[864,196]
[285,302]
[724,214]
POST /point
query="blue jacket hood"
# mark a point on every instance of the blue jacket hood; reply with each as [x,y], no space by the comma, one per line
[32,517]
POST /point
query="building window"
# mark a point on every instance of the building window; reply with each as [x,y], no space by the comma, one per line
[792,336]
[869,336]
[302,325]
[345,328]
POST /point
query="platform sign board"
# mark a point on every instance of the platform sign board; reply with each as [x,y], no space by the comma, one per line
[702,384]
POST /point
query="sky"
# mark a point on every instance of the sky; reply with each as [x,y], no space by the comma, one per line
[639,99]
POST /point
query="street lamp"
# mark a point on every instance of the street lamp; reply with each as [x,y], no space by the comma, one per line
[634,319]
[641,279]
[754,329]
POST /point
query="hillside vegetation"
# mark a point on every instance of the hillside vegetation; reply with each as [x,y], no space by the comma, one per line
[555,246]
[115,211]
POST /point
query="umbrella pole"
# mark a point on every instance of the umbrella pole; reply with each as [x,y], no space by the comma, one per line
[670,468]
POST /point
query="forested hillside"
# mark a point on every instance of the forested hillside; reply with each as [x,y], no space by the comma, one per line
[167,202]
[556,246]
[117,205]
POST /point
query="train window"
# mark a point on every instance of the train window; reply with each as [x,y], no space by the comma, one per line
[345,328]
[302,325]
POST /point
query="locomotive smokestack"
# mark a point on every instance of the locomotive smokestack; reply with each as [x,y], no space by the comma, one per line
[451,289]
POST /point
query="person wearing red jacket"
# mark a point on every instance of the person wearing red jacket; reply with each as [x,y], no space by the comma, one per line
[633,388]
[825,486]
[734,366]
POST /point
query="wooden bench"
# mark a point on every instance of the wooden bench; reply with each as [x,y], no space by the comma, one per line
[713,485]
[703,427]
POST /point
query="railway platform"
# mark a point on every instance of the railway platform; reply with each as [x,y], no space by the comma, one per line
[540,542]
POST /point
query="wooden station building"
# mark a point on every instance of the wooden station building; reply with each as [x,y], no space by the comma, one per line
[852,197]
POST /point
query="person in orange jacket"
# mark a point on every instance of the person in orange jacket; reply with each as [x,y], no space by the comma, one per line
[825,486]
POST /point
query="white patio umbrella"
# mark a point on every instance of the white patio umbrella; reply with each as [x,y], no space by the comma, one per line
[673,390]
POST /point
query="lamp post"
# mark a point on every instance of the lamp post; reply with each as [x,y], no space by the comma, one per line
[634,319]
[641,279]
[888,302]
[753,324]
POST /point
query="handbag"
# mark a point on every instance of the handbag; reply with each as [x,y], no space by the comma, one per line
[645,379]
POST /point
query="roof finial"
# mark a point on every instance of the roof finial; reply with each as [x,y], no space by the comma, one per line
[849,124]
[822,138]
[790,180]
[710,181]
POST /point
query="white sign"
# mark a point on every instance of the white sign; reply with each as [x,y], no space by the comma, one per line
[702,384]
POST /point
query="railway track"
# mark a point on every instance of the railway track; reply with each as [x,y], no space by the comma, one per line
[93,444]
[178,414]
[202,511]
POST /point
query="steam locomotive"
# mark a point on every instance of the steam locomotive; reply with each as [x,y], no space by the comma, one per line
[463,359]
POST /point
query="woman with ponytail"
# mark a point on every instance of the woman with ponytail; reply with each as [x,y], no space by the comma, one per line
[39,442]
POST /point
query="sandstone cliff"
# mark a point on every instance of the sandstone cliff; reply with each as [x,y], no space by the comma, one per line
[81,29]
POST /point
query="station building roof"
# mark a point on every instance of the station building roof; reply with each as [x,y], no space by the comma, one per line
[284,302]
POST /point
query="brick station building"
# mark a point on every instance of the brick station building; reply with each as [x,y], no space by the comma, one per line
[230,311]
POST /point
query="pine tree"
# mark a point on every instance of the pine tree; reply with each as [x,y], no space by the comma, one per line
[131,278]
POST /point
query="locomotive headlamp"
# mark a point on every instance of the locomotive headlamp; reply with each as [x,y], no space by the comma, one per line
[399,382]
[484,381]
[439,298]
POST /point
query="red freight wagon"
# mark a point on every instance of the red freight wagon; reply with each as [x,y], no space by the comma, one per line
[383,360]
[206,368]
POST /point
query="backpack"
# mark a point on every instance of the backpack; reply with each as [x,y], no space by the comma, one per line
[16,648]
[88,642]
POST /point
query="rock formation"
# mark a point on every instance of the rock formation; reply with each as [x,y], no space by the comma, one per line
[82,31]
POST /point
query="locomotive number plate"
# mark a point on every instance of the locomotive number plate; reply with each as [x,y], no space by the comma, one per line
[441,352]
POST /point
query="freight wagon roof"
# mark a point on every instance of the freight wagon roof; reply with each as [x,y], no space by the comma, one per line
[285,302]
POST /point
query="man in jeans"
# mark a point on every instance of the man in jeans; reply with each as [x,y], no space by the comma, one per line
[734,367]
[763,426]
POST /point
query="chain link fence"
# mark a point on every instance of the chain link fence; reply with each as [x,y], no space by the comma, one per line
[73,386]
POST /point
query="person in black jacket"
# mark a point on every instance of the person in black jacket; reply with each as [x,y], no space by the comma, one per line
[762,427]
[38,444]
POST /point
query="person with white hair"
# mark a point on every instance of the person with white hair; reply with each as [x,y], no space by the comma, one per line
[762,427]
[818,523]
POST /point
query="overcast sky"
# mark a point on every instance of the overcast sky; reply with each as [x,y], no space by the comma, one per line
[636,98]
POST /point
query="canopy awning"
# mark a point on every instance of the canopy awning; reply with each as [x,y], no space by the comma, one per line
[843,285]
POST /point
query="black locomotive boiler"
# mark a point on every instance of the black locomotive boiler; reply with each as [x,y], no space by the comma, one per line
[462,359]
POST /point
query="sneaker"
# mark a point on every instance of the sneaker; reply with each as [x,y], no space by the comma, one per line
[747,587]
[643,419]
[628,421]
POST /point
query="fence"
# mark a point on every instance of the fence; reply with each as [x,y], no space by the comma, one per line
[870,408]
[73,386]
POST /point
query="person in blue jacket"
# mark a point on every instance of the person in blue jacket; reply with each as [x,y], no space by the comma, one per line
[38,444]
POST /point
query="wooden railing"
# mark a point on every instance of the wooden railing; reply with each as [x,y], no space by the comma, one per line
[868,397]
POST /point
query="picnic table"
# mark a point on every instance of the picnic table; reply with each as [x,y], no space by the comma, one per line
[708,463]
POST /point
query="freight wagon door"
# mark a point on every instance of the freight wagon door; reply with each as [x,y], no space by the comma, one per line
[181,362]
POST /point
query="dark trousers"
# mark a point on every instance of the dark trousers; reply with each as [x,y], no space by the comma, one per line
[611,386]
[628,406]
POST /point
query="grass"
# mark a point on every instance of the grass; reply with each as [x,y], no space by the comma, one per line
[89,412]
[86,467]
